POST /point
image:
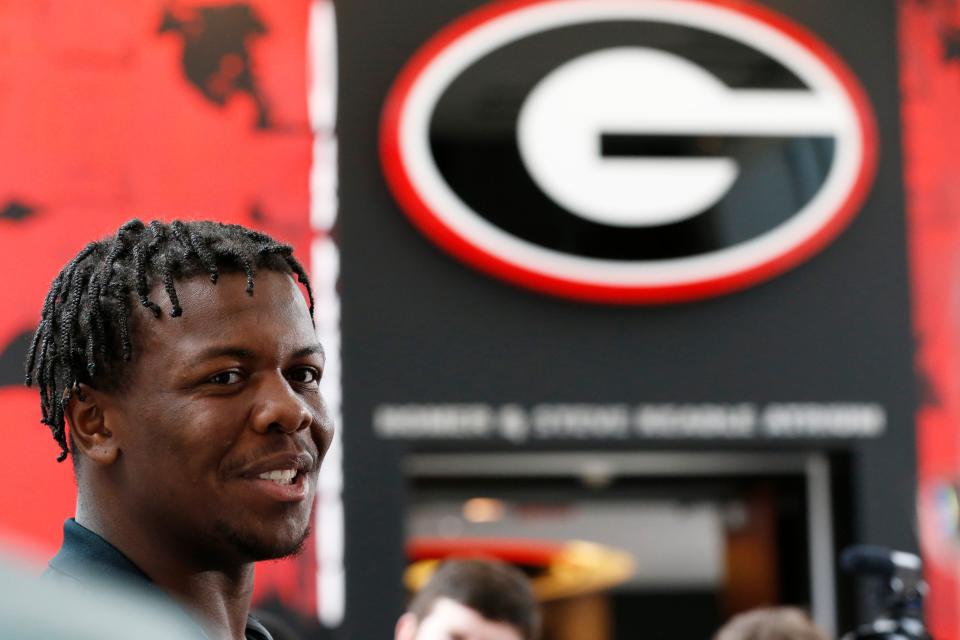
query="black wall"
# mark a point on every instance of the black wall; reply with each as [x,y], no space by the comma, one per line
[419,326]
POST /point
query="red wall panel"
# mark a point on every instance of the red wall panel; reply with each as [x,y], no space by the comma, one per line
[113,109]
[930,83]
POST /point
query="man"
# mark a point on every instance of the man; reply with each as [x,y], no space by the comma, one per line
[771,623]
[472,600]
[184,359]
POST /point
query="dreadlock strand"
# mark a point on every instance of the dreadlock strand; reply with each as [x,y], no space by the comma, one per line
[42,376]
[203,252]
[246,263]
[175,309]
[302,278]
[99,332]
[192,241]
[32,352]
[119,247]
[60,436]
[140,257]
[166,269]
[43,329]
[87,323]
[72,293]
[49,362]
[124,327]
[286,252]
[59,424]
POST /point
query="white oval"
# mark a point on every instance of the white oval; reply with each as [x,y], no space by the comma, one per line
[829,101]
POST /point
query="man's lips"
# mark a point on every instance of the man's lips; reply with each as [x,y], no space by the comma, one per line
[284,477]
[301,462]
[296,491]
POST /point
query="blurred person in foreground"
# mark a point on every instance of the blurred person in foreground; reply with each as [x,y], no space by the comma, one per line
[771,623]
[472,600]
[27,603]
[184,360]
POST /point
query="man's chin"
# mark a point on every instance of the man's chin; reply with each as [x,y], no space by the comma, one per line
[256,546]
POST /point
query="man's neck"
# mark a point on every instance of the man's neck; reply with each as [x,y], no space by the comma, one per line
[221,598]
[219,593]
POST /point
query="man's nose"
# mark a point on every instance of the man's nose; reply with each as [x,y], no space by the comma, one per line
[279,407]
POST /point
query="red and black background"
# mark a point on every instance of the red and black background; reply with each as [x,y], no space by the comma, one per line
[113,109]
[117,110]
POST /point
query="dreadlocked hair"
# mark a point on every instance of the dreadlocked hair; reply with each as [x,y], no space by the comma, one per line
[84,334]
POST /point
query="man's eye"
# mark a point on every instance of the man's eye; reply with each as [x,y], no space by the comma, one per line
[226,377]
[305,375]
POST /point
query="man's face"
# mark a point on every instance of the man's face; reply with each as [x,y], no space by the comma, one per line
[221,408]
[450,620]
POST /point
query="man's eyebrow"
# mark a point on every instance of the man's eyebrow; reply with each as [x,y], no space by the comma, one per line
[223,351]
[314,349]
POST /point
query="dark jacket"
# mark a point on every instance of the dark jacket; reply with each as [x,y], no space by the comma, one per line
[85,555]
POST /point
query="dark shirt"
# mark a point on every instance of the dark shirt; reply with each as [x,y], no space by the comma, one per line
[86,555]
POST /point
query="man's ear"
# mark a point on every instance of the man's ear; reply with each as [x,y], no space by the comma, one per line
[406,628]
[90,432]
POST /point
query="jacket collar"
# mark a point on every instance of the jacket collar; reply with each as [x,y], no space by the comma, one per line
[85,555]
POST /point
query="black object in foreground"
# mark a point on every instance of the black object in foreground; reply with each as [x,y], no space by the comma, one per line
[899,580]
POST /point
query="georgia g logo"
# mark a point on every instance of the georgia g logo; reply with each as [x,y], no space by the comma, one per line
[628,150]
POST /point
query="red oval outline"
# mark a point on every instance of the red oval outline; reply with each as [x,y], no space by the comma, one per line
[434,228]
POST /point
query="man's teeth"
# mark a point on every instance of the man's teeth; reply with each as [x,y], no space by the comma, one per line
[281,477]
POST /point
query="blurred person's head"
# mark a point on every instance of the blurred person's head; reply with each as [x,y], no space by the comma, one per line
[472,600]
[772,623]
[179,367]
[26,603]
